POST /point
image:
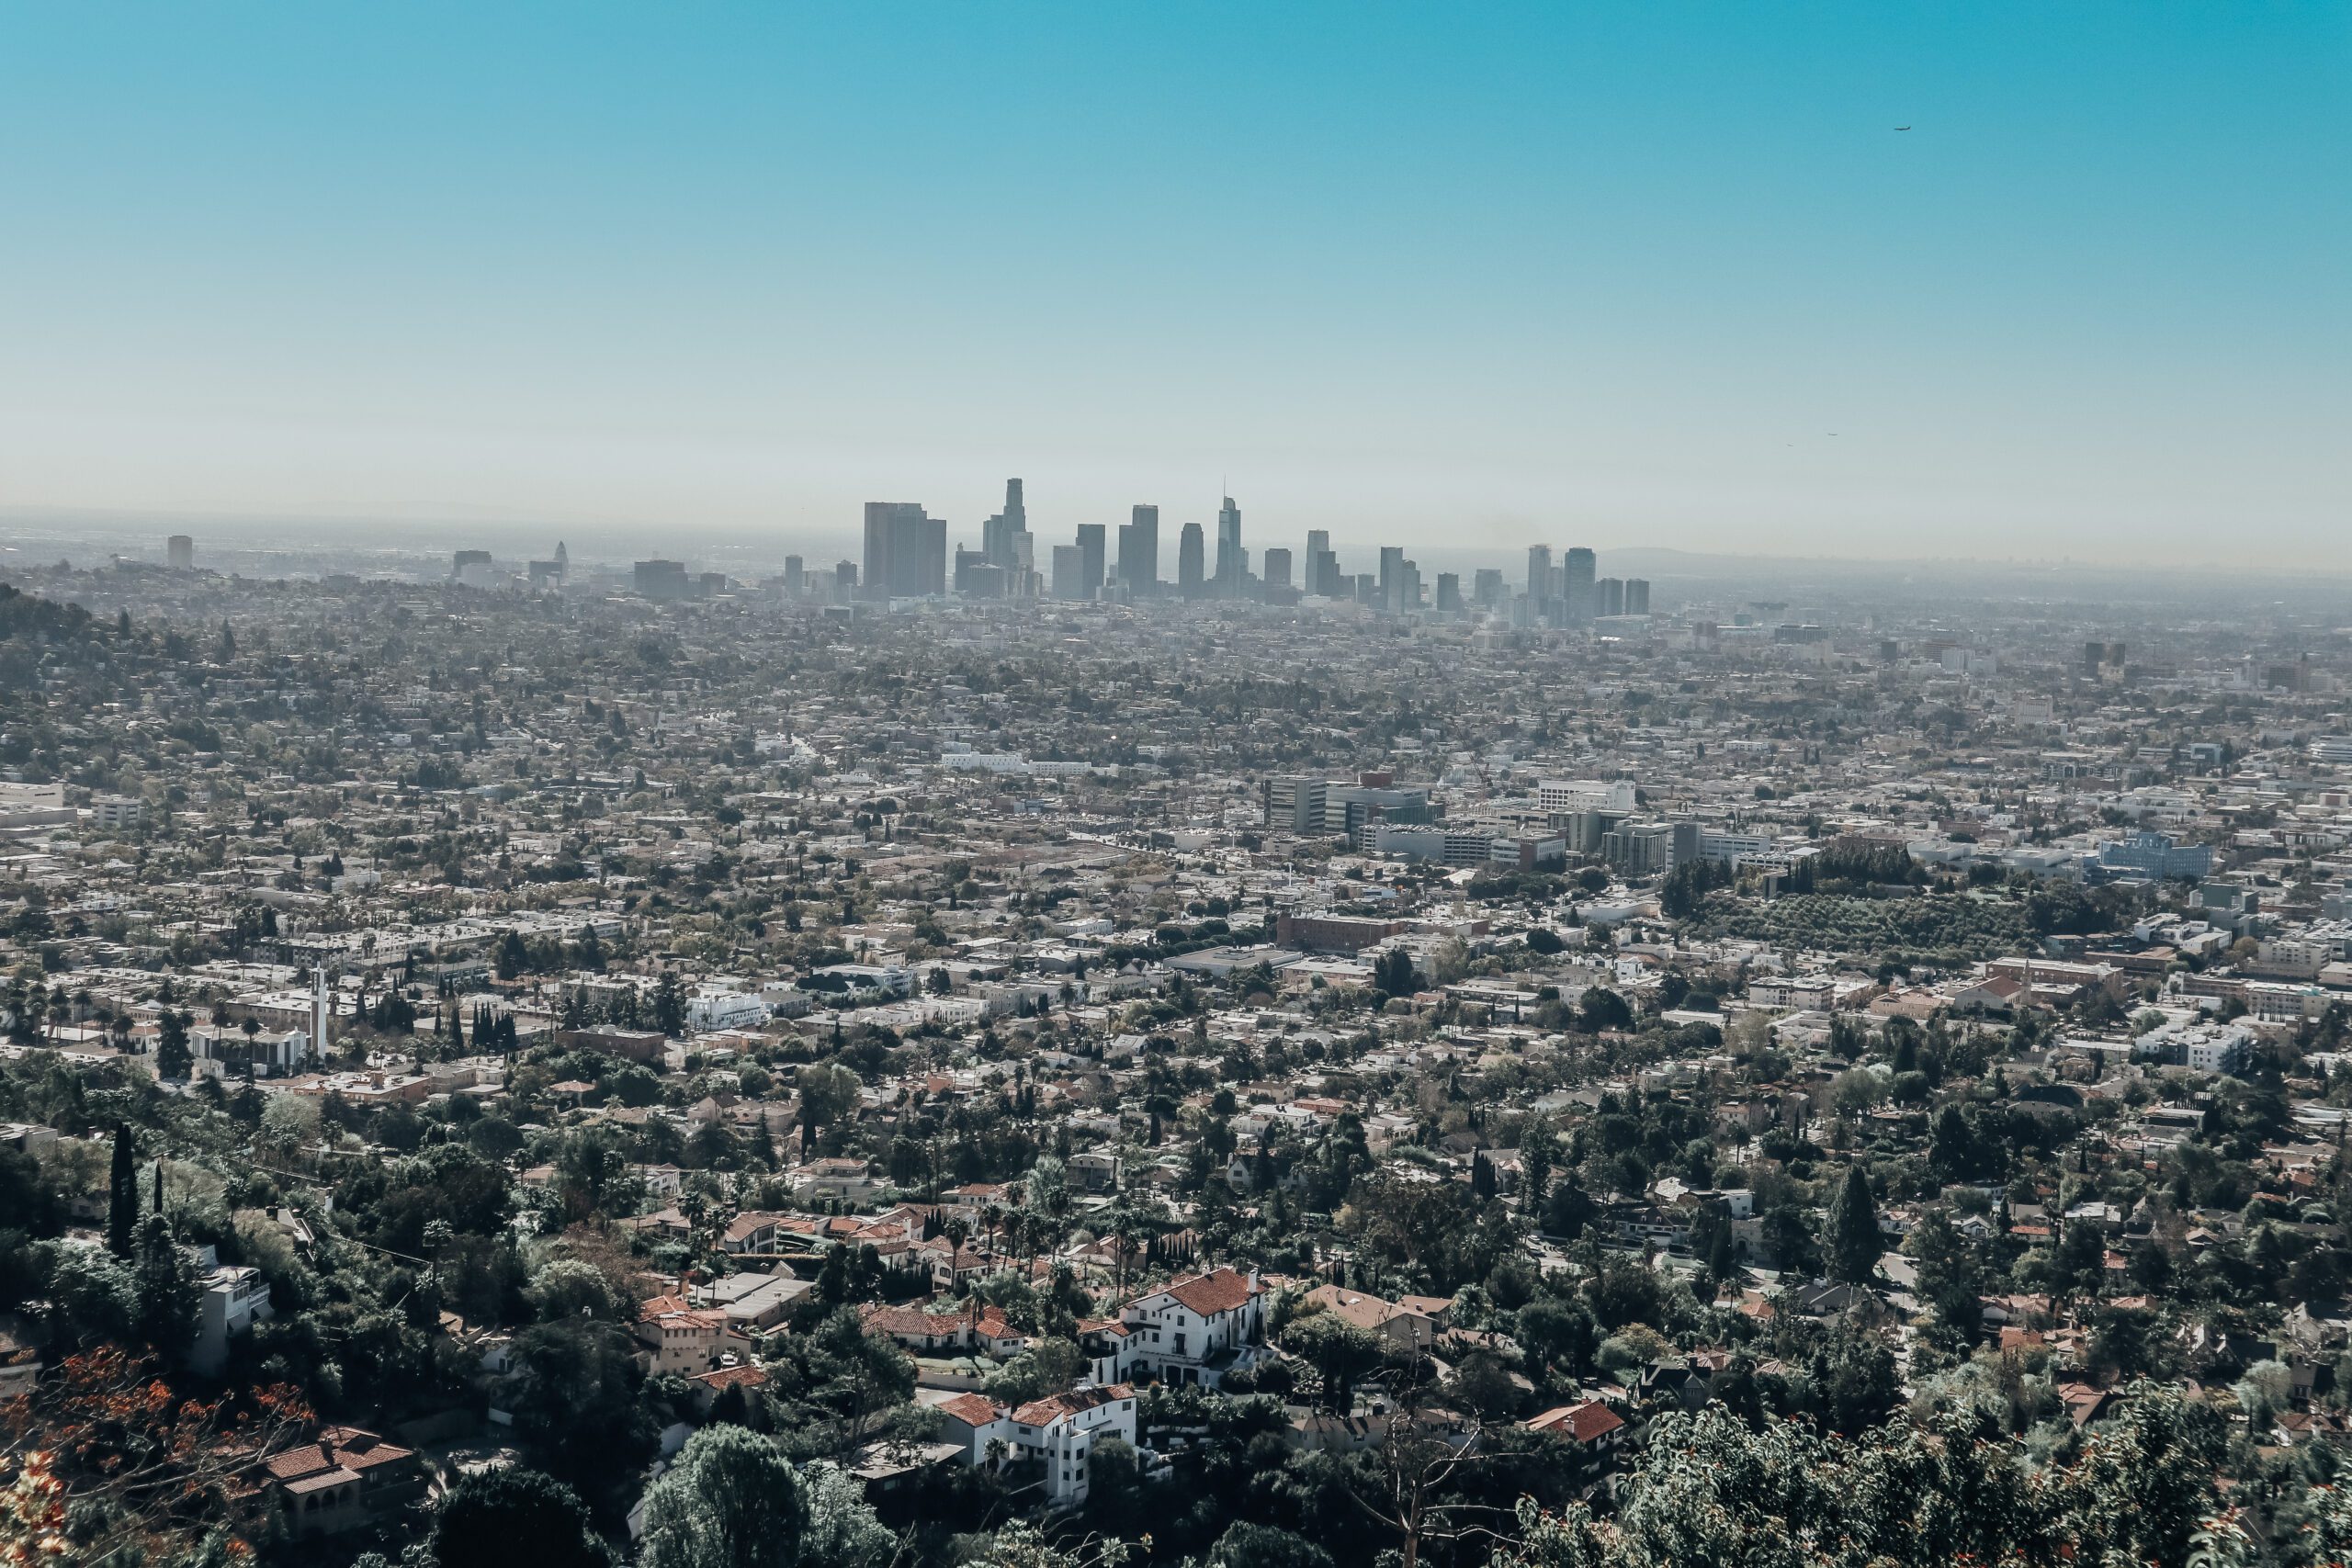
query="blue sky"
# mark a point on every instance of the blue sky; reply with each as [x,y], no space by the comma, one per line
[1477,274]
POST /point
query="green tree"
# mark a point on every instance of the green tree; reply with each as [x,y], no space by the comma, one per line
[1712,1492]
[172,1057]
[1339,1352]
[670,1004]
[1557,1332]
[827,1094]
[1948,1280]
[1048,1366]
[573,1392]
[485,1520]
[1853,1242]
[732,1500]
[1539,1151]
[1247,1545]
[1601,1008]
[165,1275]
[122,1195]
[94,1293]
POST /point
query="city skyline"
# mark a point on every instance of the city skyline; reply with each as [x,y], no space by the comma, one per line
[1643,279]
[1210,786]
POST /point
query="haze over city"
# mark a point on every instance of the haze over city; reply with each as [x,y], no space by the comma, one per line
[1850,280]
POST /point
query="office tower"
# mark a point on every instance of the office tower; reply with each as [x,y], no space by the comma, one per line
[796,575]
[1090,556]
[1005,539]
[1576,591]
[887,522]
[845,581]
[1232,566]
[930,546]
[1367,588]
[1321,574]
[179,553]
[1637,596]
[1392,560]
[464,559]
[1609,596]
[1449,592]
[1539,575]
[1277,569]
[906,552]
[1487,588]
[1139,552]
[660,580]
[1188,561]
[1069,573]
[1404,594]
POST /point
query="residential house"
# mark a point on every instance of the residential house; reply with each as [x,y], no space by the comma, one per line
[679,1337]
[344,1479]
[1196,1330]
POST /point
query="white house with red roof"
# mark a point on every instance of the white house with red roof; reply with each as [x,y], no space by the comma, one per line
[1196,1330]
[679,1337]
[1057,1432]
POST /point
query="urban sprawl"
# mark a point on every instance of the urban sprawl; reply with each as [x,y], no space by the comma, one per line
[997,1056]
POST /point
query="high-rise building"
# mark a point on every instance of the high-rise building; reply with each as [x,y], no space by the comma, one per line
[179,553]
[796,574]
[845,581]
[906,552]
[1090,553]
[1189,573]
[1069,573]
[660,580]
[1637,596]
[1487,588]
[1319,542]
[1609,596]
[1449,592]
[1277,572]
[1577,589]
[1005,540]
[1323,575]
[960,578]
[1232,566]
[464,559]
[553,570]
[1139,552]
[1539,575]
[1392,563]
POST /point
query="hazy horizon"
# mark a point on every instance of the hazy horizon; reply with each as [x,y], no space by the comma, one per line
[90,539]
[1614,276]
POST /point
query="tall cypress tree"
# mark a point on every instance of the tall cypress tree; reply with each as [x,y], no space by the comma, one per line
[1853,1243]
[122,1195]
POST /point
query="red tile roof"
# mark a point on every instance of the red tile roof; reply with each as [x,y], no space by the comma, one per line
[1585,1422]
[1053,1407]
[972,1409]
[1222,1290]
